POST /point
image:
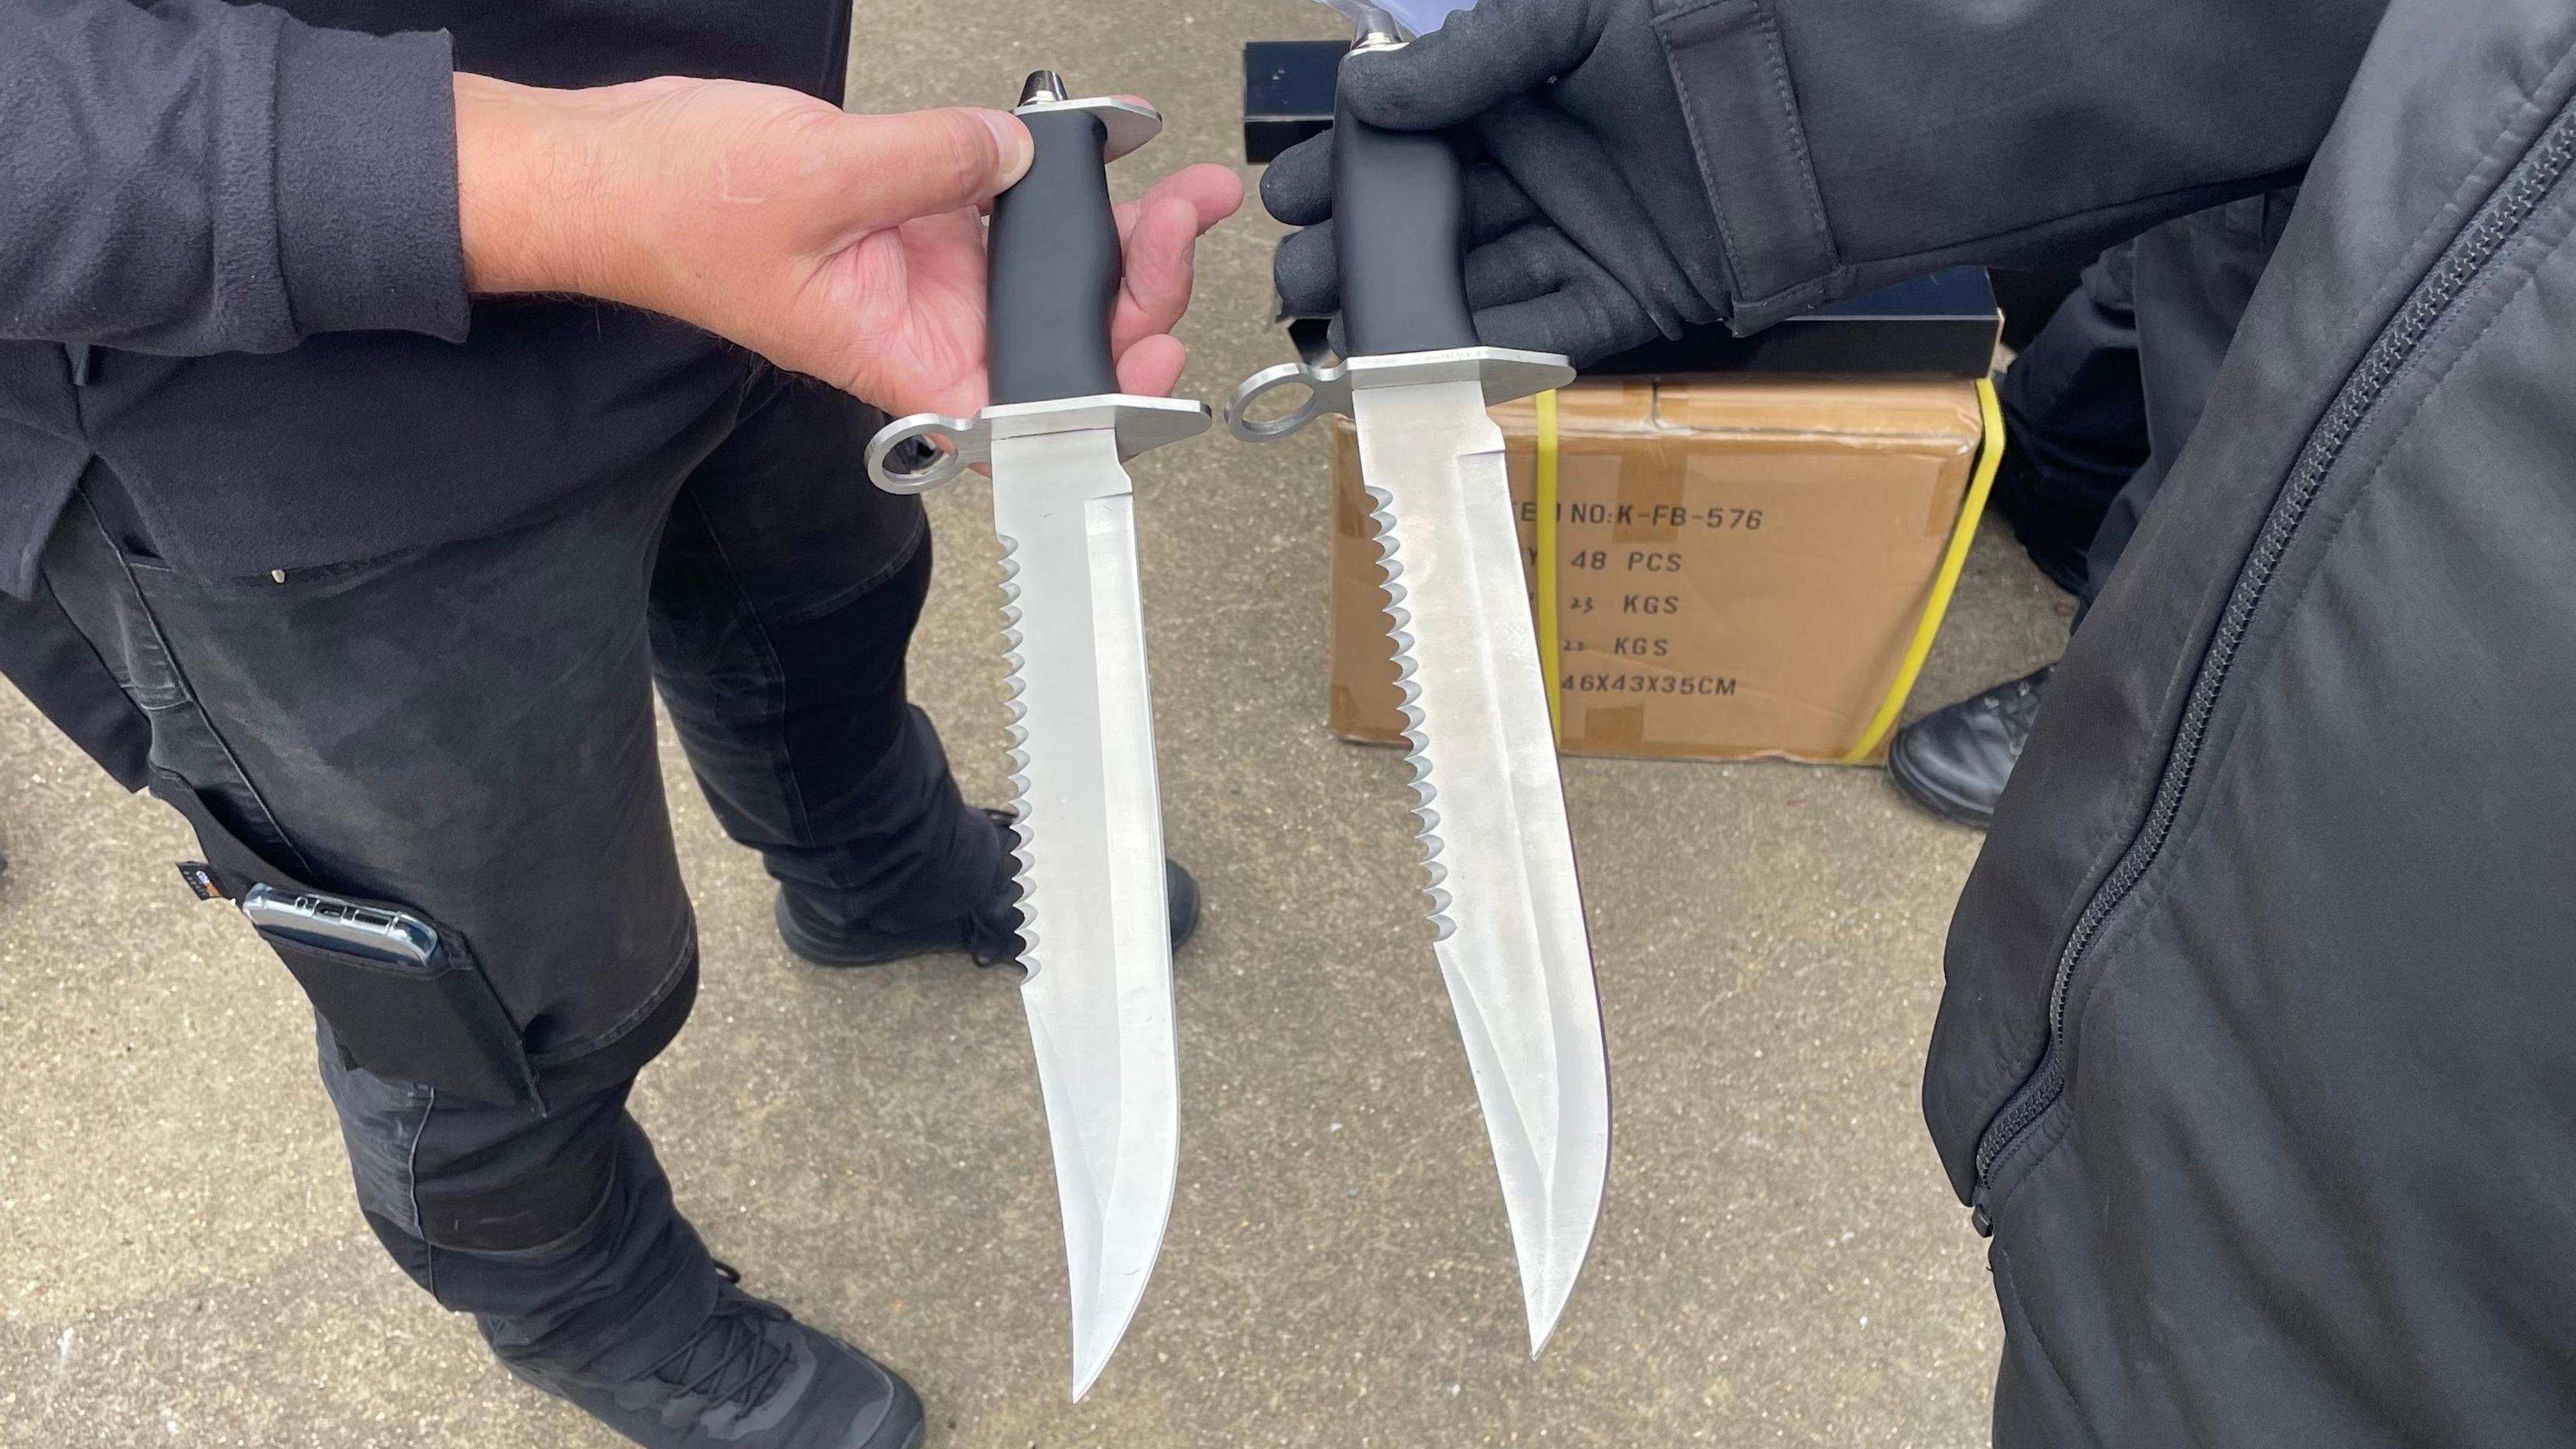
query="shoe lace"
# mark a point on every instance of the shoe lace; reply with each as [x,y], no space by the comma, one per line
[2019,703]
[733,1360]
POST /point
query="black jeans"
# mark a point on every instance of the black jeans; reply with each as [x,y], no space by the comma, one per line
[467,731]
[58,671]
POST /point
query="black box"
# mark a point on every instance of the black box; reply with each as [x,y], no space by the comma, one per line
[1287,93]
[1943,325]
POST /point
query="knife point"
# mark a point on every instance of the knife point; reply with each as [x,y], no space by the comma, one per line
[1087,1369]
[1542,1324]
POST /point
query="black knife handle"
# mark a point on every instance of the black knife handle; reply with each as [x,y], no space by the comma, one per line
[1400,222]
[1056,268]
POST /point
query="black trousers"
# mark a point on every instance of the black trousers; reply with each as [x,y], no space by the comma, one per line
[2108,392]
[2075,416]
[466,731]
[55,667]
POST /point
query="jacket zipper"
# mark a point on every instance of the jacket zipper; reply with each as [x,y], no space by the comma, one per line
[2495,224]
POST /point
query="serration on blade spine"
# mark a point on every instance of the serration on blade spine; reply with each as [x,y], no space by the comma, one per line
[1416,737]
[1023,859]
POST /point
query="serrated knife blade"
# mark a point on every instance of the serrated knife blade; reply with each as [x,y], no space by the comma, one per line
[1096,923]
[1088,824]
[1508,909]
[1506,905]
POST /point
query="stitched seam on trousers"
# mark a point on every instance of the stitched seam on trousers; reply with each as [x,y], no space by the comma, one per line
[123,671]
[555,1246]
[899,562]
[784,767]
[895,564]
[179,679]
[411,1192]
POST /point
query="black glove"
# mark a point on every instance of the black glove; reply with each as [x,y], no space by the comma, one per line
[1589,229]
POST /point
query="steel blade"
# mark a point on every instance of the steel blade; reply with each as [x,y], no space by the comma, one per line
[1090,850]
[1505,901]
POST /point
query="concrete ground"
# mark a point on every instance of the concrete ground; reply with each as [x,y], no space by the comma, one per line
[1779,1262]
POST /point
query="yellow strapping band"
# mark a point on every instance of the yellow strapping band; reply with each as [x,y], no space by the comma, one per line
[1548,642]
[1990,457]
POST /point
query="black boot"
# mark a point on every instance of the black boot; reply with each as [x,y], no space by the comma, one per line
[752,1378]
[990,934]
[1954,762]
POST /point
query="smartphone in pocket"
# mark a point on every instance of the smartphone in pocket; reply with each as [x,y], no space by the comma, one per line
[333,924]
[399,1001]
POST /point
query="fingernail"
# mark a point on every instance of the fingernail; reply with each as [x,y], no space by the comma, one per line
[1017,149]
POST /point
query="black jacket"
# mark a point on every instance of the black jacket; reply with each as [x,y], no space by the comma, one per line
[252,216]
[2256,1050]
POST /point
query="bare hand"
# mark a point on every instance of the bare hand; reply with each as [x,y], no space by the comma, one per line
[847,247]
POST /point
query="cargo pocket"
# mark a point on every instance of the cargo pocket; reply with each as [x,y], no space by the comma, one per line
[441,1024]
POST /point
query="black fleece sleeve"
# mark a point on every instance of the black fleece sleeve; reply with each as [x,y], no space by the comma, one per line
[191,177]
[1847,144]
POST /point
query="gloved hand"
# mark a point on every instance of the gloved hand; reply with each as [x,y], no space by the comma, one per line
[1589,230]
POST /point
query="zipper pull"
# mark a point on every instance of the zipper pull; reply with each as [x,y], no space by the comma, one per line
[1978,1217]
[84,362]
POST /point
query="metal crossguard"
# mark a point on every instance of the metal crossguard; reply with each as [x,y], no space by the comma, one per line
[1142,424]
[1505,374]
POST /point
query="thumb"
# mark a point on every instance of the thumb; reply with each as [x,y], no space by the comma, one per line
[922,163]
[1477,59]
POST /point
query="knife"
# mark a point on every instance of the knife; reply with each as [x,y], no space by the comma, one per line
[1089,828]
[1505,901]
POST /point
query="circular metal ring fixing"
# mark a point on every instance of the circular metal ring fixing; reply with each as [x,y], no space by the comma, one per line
[1327,391]
[949,439]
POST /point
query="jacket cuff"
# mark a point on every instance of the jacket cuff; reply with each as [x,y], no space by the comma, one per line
[367,231]
[1732,74]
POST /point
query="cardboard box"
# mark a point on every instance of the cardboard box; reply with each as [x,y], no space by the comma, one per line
[1742,562]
